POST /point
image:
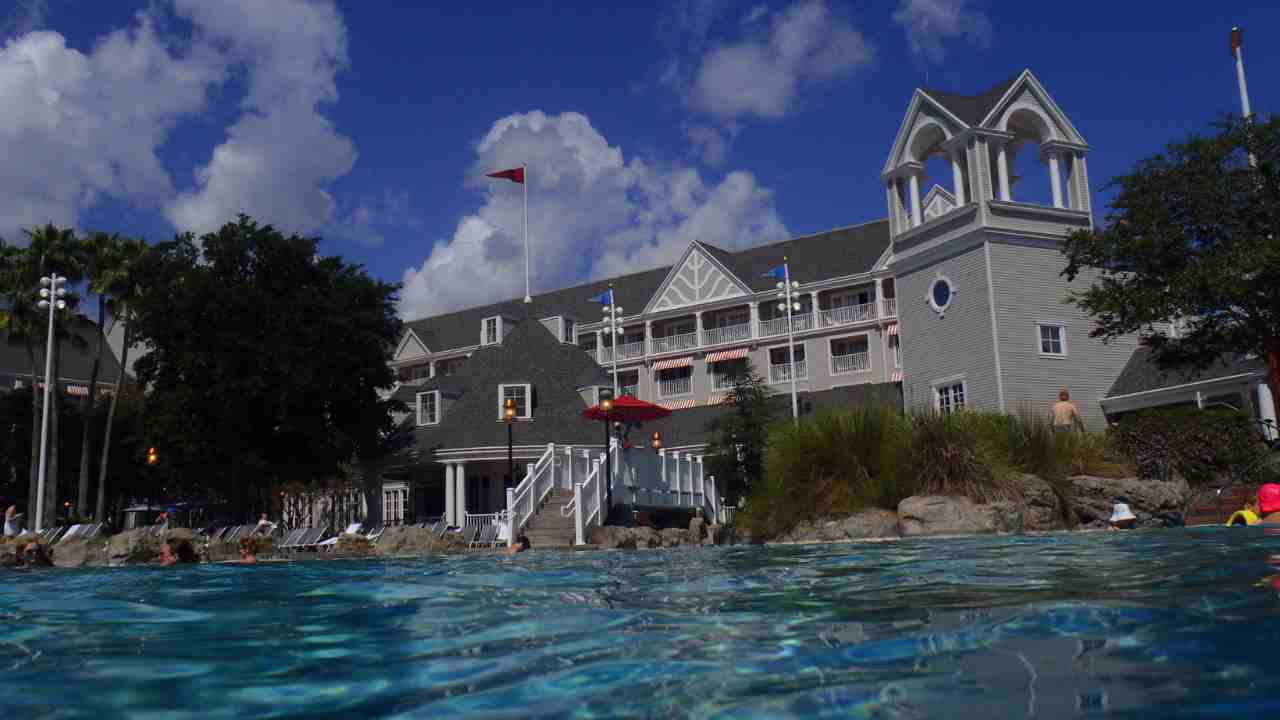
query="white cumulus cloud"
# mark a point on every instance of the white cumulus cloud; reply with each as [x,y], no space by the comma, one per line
[592,213]
[930,24]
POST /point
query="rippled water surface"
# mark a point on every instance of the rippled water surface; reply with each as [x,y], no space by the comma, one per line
[1140,624]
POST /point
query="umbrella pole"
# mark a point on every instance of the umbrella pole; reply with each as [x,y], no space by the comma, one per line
[608,475]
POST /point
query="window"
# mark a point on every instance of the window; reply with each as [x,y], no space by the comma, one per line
[489,331]
[1053,339]
[950,397]
[849,355]
[570,330]
[429,408]
[897,350]
[940,294]
[675,381]
[587,342]
[420,372]
[520,393]
[629,382]
[444,368]
[780,364]
[725,374]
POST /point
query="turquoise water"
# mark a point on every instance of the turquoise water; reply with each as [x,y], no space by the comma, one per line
[1175,623]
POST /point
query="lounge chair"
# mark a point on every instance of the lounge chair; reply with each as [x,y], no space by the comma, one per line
[375,533]
[352,529]
[311,539]
[290,539]
[485,537]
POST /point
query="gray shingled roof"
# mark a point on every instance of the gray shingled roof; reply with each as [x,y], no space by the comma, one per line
[972,109]
[1141,374]
[75,362]
[845,251]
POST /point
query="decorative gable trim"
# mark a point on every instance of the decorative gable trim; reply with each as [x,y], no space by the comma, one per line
[698,278]
[1027,82]
[938,202]
[908,126]
[411,347]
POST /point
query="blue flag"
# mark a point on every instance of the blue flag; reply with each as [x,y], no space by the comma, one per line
[778,273]
[604,298]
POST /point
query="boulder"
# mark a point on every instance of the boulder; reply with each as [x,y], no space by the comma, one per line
[716,535]
[1157,503]
[408,540]
[862,525]
[697,529]
[133,547]
[612,537]
[1041,508]
[646,537]
[949,515]
[352,546]
[675,537]
[219,551]
[81,553]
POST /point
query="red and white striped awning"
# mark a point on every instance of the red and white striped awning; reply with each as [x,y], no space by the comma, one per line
[896,376]
[680,404]
[893,328]
[723,355]
[685,361]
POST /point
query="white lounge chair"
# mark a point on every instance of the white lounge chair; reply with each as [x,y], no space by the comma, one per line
[352,529]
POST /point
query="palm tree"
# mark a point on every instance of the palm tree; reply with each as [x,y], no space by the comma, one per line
[118,285]
[20,321]
[99,255]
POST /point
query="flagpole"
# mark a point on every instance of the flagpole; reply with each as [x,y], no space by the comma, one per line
[791,343]
[528,297]
[1237,51]
[613,337]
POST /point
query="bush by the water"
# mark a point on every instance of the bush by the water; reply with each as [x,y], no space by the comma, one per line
[874,457]
[1203,446]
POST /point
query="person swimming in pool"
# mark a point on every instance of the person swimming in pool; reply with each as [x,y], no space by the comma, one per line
[248,551]
[173,552]
[521,544]
[32,555]
[1122,518]
[1246,516]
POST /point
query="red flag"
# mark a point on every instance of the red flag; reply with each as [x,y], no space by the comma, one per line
[515,175]
[1237,40]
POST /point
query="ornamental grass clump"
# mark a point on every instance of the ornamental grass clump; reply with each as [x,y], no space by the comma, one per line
[955,454]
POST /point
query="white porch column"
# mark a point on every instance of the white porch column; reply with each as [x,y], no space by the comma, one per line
[460,492]
[754,308]
[813,309]
[648,340]
[449,517]
[1002,168]
[697,317]
[1055,179]
[599,351]
[957,175]
[431,369]
[1267,410]
[879,297]
[914,182]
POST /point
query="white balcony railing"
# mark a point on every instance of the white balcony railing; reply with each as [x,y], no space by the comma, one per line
[625,352]
[782,373]
[778,326]
[672,343]
[890,307]
[855,362]
[674,387]
[847,315]
[631,390]
[726,334]
[722,382]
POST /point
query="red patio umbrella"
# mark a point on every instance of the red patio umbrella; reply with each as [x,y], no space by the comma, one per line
[628,410]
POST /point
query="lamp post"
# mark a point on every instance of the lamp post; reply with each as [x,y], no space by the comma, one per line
[787,296]
[613,326]
[509,417]
[656,443]
[51,299]
[606,406]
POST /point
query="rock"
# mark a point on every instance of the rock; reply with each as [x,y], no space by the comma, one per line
[612,537]
[1041,509]
[646,537]
[948,515]
[716,535]
[352,546]
[412,541]
[81,553]
[675,537]
[869,524]
[1157,503]
[222,551]
[133,547]
[697,529]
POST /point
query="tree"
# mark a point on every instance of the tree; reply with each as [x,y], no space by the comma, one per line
[1193,235]
[98,254]
[736,452]
[266,361]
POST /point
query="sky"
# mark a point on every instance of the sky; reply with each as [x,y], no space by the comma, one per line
[372,126]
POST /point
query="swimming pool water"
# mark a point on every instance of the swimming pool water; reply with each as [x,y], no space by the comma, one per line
[1173,623]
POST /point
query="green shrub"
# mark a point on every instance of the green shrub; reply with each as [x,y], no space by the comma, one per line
[1203,446]
[960,454]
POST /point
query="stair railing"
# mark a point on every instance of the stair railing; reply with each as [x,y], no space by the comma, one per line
[524,499]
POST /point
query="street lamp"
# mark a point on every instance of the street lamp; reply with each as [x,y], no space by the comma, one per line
[657,441]
[51,299]
[153,457]
[613,327]
[788,301]
[606,407]
[509,417]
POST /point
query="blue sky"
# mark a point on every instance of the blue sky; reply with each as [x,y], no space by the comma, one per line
[644,127]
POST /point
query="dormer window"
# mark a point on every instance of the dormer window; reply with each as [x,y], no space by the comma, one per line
[520,392]
[570,330]
[429,408]
[490,330]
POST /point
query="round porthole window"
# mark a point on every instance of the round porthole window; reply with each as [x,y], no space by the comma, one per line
[940,294]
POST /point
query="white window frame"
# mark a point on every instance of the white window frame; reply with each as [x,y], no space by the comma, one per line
[427,421]
[497,330]
[895,342]
[1062,338]
[831,355]
[951,299]
[569,330]
[528,400]
[768,356]
[949,383]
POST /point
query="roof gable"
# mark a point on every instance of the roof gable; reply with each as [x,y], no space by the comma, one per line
[411,347]
[699,277]
[922,110]
[1026,91]
[938,202]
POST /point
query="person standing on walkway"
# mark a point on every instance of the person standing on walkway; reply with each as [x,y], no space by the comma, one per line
[1065,415]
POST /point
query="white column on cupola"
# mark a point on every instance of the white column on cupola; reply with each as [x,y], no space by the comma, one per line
[914,182]
[1055,177]
[1002,168]
[957,174]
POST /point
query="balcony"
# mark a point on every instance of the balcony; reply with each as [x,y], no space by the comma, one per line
[625,352]
[726,334]
[632,390]
[672,343]
[723,382]
[778,326]
[674,387]
[782,373]
[847,315]
[844,364]
[890,307]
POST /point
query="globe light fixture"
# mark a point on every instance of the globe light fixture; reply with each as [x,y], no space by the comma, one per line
[657,440]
